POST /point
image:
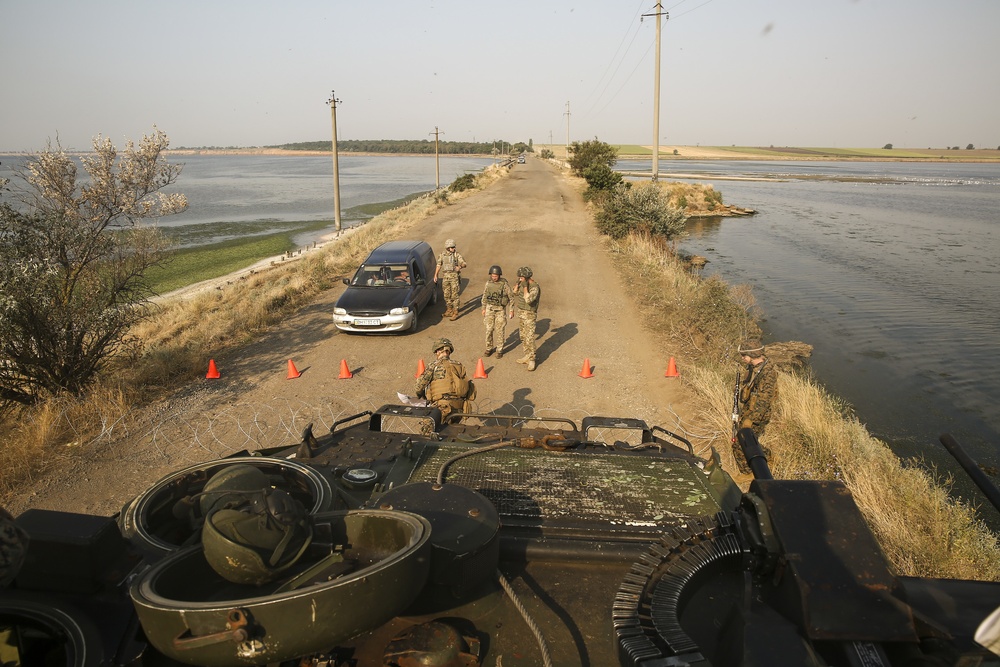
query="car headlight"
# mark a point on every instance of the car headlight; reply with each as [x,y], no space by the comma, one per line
[339,311]
[400,311]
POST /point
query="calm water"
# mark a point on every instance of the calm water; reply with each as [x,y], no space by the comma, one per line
[891,271]
[239,195]
[263,193]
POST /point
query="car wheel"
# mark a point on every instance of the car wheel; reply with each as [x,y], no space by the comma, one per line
[415,322]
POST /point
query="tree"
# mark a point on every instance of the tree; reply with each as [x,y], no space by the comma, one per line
[590,153]
[970,147]
[887,147]
[644,208]
[73,257]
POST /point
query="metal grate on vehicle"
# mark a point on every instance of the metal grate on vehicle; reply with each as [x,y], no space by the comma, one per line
[615,489]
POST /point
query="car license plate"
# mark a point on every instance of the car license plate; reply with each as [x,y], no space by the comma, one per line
[368,323]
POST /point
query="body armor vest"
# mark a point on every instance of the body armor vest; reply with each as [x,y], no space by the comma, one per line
[496,293]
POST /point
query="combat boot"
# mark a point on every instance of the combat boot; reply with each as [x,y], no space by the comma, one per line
[499,353]
[454,314]
[531,364]
[489,351]
[523,360]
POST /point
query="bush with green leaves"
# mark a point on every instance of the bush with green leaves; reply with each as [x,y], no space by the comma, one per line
[644,208]
[600,178]
[463,182]
[546,154]
[587,154]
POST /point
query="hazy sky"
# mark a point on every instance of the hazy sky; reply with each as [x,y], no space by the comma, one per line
[831,73]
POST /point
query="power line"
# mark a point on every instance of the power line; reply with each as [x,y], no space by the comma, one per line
[611,62]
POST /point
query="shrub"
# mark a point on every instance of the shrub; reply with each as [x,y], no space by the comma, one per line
[590,153]
[644,208]
[600,178]
[463,182]
[546,154]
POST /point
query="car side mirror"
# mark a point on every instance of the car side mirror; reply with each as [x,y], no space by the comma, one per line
[347,281]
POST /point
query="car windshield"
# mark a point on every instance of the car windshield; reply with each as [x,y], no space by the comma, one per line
[383,275]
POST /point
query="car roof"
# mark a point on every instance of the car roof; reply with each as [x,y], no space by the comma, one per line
[395,252]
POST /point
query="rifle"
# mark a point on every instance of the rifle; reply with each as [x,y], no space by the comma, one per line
[736,406]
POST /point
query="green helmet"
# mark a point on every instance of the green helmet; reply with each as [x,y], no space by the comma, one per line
[495,269]
[524,272]
[231,484]
[254,541]
[442,342]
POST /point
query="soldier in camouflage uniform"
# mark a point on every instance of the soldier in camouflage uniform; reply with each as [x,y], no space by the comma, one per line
[449,269]
[758,392]
[526,296]
[497,309]
[444,383]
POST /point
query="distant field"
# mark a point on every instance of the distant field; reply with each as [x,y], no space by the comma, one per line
[796,153]
[626,151]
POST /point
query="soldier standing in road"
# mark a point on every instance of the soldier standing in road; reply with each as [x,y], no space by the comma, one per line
[758,392]
[444,383]
[497,309]
[526,296]
[449,268]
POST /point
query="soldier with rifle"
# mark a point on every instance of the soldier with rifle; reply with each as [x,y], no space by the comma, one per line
[755,392]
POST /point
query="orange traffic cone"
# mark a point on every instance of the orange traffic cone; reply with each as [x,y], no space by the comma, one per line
[420,368]
[585,373]
[480,373]
[293,372]
[672,369]
[213,372]
[345,372]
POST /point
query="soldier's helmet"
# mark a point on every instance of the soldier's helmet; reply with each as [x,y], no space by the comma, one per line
[496,270]
[524,272]
[450,243]
[442,343]
[751,348]
[254,539]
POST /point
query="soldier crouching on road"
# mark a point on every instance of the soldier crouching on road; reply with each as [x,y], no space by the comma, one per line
[449,270]
[444,383]
[526,296]
[497,309]
[758,392]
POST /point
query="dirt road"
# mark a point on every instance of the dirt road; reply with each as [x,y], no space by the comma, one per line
[534,218]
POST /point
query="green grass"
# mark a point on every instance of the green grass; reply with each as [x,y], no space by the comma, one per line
[187,266]
[632,149]
[191,265]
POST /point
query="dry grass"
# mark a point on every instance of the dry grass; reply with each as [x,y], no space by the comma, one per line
[921,528]
[182,333]
[703,319]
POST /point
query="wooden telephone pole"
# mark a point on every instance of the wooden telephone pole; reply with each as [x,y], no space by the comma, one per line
[336,164]
[437,160]
[656,93]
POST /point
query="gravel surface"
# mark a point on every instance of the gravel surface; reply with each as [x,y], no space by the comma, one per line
[535,217]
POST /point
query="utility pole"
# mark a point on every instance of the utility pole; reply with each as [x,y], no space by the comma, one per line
[336,164]
[567,129]
[437,160]
[656,93]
